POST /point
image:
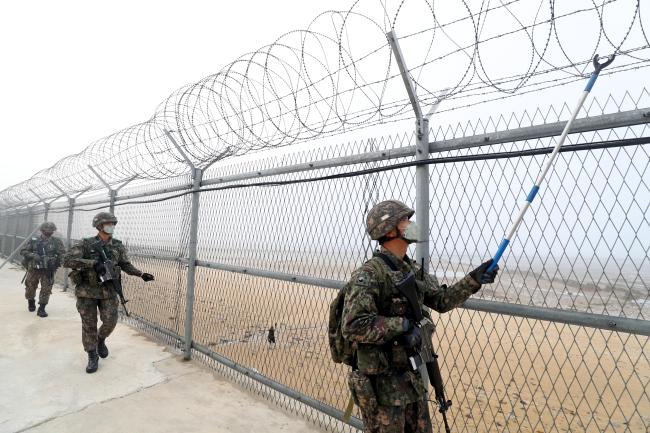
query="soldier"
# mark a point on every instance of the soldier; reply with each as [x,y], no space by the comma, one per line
[271,336]
[377,318]
[41,257]
[86,261]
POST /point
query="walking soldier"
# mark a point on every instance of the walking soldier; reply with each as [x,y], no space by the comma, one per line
[96,263]
[42,256]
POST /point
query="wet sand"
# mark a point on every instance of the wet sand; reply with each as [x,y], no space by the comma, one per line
[502,372]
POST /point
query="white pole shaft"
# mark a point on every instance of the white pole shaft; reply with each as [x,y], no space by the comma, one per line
[542,175]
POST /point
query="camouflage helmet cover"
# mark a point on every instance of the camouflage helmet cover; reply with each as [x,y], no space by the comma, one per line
[384,216]
[103,218]
[47,227]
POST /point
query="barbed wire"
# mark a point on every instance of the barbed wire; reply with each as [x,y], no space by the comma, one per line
[338,75]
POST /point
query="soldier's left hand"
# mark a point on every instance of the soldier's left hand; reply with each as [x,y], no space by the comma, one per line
[146,277]
[481,274]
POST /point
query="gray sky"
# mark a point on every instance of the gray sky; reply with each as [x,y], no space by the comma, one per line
[76,71]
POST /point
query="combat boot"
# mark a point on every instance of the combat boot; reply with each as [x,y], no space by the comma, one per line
[93,362]
[102,350]
[31,305]
[41,311]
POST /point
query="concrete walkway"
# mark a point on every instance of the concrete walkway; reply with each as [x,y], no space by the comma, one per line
[140,387]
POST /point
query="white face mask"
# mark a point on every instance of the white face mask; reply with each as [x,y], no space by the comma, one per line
[410,235]
[108,229]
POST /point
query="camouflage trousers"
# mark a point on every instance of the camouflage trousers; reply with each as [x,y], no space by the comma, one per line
[87,308]
[410,418]
[31,285]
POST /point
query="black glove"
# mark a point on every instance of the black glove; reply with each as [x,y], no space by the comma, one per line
[146,277]
[99,268]
[482,276]
[413,338]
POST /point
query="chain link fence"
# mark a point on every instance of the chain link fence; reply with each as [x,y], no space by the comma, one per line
[558,343]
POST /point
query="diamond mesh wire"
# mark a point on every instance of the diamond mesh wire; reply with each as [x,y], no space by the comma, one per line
[584,247]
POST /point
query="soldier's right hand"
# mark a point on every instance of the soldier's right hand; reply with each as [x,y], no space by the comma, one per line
[413,338]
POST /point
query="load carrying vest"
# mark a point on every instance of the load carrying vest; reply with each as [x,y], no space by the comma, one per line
[372,358]
[38,245]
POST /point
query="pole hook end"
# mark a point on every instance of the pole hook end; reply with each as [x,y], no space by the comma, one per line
[599,66]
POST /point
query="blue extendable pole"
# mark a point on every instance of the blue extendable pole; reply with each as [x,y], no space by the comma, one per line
[535,189]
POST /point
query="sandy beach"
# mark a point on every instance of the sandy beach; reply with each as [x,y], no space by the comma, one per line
[502,372]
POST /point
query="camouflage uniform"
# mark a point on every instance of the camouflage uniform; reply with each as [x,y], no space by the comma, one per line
[91,294]
[376,317]
[391,396]
[54,251]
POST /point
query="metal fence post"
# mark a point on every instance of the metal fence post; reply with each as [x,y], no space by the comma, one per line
[112,192]
[421,152]
[422,193]
[46,205]
[197,177]
[3,224]
[68,238]
[113,196]
[15,231]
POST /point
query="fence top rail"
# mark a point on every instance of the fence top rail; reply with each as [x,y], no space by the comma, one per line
[594,123]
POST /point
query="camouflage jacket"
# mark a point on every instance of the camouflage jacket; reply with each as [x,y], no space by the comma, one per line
[373,318]
[82,258]
[53,247]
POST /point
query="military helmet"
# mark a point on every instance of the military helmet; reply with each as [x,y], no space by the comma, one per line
[103,218]
[47,227]
[384,216]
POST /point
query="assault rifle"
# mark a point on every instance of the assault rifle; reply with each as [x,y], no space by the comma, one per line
[110,276]
[47,263]
[43,261]
[425,355]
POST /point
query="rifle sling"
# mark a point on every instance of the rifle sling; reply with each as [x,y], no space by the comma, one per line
[408,292]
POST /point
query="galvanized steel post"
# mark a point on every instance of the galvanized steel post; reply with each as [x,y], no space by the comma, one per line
[15,230]
[421,152]
[197,177]
[422,193]
[113,194]
[46,205]
[68,238]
